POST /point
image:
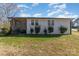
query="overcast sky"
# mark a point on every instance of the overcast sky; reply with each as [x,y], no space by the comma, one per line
[48,10]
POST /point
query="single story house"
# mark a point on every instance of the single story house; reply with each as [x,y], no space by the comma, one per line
[40,25]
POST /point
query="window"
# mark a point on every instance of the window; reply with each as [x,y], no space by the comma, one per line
[21,24]
[50,22]
[18,24]
[50,26]
[36,22]
[32,22]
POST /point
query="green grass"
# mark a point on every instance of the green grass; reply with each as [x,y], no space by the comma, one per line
[40,44]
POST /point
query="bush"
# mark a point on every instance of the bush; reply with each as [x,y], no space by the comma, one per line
[17,31]
[9,32]
[37,29]
[31,30]
[62,29]
[50,29]
[45,31]
[4,30]
[23,31]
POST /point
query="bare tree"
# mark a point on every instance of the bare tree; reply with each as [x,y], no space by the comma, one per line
[7,10]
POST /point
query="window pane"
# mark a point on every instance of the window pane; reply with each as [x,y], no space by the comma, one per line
[52,22]
[36,22]
[49,22]
[32,22]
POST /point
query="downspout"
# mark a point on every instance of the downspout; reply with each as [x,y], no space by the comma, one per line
[26,24]
[70,27]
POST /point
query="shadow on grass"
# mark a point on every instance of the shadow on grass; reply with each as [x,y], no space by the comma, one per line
[33,35]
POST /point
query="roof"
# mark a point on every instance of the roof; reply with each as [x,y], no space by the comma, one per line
[41,18]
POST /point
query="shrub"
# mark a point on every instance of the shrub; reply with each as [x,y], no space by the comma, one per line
[45,31]
[4,30]
[62,29]
[23,31]
[37,29]
[9,32]
[50,29]
[17,31]
[31,30]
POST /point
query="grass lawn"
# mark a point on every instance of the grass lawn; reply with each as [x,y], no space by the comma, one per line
[40,45]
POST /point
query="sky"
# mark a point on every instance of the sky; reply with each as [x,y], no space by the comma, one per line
[65,10]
